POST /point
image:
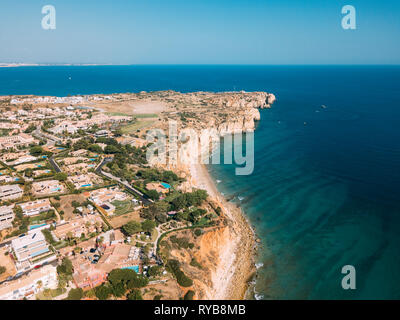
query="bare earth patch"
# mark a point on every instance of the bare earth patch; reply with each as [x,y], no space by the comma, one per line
[66,204]
[134,107]
[169,290]
[6,262]
[118,222]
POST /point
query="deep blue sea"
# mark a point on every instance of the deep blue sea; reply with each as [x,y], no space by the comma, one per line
[322,195]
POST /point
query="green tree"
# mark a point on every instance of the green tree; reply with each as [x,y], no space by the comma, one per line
[111,149]
[75,294]
[61,176]
[118,290]
[138,282]
[75,204]
[148,225]
[95,148]
[153,194]
[131,228]
[65,267]
[135,295]
[189,295]
[173,266]
[154,271]
[102,292]
[30,129]
[28,172]
[2,269]
[36,150]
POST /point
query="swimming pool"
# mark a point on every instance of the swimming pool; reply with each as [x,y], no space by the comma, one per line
[134,268]
[36,226]
[165,185]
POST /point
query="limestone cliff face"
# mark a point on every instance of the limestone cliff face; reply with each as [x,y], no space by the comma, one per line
[226,252]
[246,100]
[239,113]
[217,255]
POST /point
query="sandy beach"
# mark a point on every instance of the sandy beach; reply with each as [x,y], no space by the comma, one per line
[236,258]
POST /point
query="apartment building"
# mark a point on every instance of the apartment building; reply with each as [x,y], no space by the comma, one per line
[33,208]
[30,246]
[10,192]
[20,140]
[87,275]
[6,217]
[28,286]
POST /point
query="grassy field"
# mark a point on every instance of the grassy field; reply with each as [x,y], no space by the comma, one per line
[118,221]
[50,293]
[133,127]
[145,115]
[122,207]
[41,218]
[117,114]
[135,115]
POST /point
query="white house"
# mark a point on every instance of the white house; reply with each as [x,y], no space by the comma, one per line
[6,217]
[31,284]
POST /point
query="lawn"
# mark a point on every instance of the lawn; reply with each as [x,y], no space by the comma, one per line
[41,218]
[122,207]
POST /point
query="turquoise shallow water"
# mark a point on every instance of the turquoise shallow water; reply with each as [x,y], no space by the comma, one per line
[322,195]
[325,194]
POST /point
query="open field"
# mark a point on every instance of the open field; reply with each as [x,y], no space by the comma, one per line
[119,221]
[66,204]
[50,294]
[146,115]
[6,262]
[122,207]
[169,290]
[137,115]
[132,107]
[133,127]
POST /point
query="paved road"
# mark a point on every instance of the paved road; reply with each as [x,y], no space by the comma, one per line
[51,140]
[54,164]
[144,198]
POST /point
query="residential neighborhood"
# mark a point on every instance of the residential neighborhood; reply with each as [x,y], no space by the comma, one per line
[79,203]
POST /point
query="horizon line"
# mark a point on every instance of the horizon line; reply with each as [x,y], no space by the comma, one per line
[26,64]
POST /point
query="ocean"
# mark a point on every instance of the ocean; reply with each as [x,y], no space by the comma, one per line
[326,183]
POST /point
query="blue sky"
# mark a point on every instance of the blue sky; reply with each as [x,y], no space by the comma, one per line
[201,32]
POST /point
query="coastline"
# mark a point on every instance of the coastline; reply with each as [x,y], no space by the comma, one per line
[236,266]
